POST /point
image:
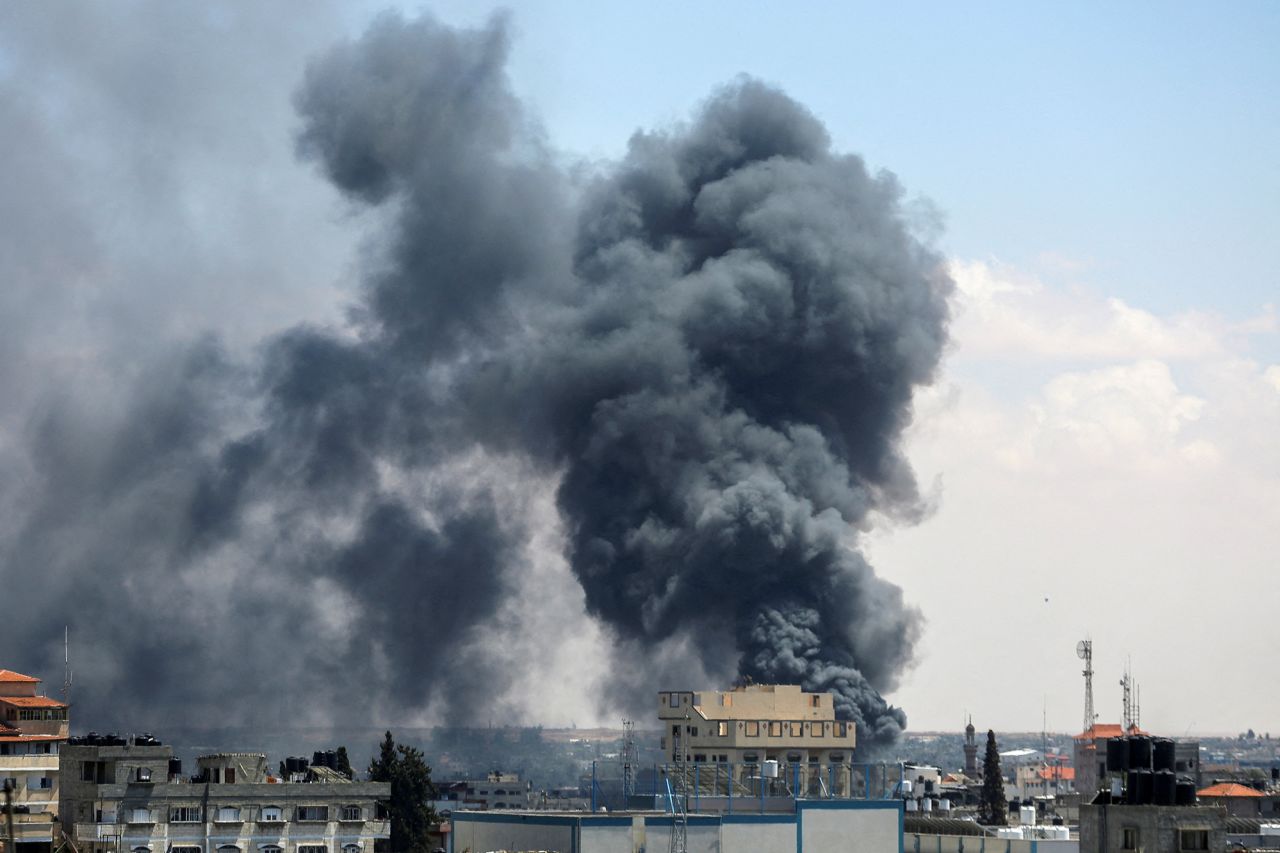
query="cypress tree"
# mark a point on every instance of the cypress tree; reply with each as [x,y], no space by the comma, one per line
[409,808]
[993,810]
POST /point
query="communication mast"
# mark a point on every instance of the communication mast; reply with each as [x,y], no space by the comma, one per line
[629,760]
[1084,650]
[1132,713]
[676,794]
[66,665]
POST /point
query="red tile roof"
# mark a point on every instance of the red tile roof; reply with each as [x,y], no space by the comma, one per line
[32,702]
[10,675]
[1066,774]
[1106,730]
[1228,789]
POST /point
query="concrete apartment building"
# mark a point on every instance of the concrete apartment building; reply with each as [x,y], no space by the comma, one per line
[32,731]
[1109,828]
[749,726]
[130,795]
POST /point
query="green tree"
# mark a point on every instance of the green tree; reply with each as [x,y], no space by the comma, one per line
[409,808]
[993,810]
[343,762]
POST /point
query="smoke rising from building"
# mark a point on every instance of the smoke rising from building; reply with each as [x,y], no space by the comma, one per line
[708,351]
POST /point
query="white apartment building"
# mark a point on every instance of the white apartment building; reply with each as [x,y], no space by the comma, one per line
[32,731]
[128,795]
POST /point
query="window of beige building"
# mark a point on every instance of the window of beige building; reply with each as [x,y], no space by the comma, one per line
[1193,839]
[797,729]
[775,729]
[753,728]
[722,728]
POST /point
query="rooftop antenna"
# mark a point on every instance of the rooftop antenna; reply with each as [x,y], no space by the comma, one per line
[1084,651]
[1130,697]
[66,665]
[1044,737]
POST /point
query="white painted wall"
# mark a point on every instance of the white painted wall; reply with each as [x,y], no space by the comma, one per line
[750,837]
[603,839]
[850,830]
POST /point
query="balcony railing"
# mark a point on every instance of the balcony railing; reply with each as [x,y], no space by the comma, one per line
[750,786]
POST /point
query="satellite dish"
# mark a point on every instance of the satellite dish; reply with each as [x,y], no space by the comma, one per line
[1082,649]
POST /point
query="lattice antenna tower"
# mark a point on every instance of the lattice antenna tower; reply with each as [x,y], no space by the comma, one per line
[66,665]
[679,816]
[1084,650]
[629,761]
[1126,685]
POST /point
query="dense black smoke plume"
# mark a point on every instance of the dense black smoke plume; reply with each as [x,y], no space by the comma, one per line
[709,351]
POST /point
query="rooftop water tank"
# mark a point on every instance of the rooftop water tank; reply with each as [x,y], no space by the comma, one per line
[1117,755]
[1139,752]
[1163,754]
[1164,788]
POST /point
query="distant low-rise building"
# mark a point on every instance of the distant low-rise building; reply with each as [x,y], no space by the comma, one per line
[755,724]
[1238,800]
[1090,755]
[129,794]
[496,790]
[1051,780]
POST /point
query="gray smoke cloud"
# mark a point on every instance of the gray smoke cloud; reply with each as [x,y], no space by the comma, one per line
[708,350]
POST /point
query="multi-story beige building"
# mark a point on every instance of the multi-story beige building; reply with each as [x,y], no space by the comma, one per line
[32,731]
[124,795]
[751,726]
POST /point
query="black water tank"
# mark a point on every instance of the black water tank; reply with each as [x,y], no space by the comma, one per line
[1139,752]
[291,765]
[1117,755]
[317,759]
[1139,791]
[1163,754]
[1186,793]
[1164,788]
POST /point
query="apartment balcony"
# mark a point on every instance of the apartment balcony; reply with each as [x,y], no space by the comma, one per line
[377,828]
[28,763]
